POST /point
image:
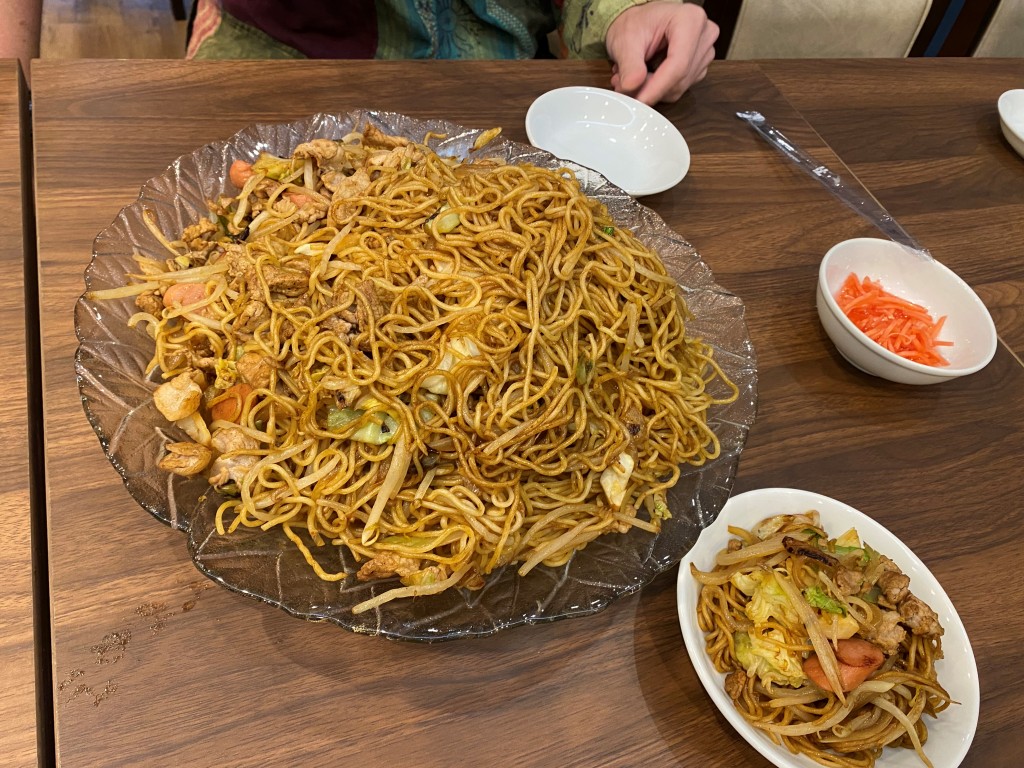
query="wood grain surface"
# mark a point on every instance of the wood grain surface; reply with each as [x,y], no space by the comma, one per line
[930,149]
[17,645]
[154,665]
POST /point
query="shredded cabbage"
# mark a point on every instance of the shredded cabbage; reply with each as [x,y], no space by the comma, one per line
[765,656]
[767,600]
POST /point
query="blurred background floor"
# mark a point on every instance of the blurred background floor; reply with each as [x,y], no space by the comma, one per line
[112,29]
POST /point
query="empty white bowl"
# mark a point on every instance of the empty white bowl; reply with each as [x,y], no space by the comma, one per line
[924,281]
[632,145]
[1011,118]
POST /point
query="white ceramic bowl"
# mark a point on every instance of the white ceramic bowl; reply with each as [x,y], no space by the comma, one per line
[1011,118]
[632,145]
[949,736]
[916,278]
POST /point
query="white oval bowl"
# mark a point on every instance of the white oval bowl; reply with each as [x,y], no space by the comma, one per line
[1011,118]
[949,735]
[631,144]
[923,281]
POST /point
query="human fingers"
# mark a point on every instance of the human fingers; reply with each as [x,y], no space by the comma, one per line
[686,63]
[629,64]
[670,81]
[634,36]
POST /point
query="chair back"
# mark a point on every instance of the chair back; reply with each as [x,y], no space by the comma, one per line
[1004,35]
[826,29]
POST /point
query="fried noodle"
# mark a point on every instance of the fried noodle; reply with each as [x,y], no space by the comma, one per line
[444,367]
[785,594]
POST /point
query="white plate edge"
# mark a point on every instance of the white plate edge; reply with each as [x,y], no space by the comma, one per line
[687,154]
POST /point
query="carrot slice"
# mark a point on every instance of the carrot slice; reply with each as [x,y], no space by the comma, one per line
[230,405]
[901,326]
[239,173]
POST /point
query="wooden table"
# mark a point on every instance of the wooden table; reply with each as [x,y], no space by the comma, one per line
[928,145]
[153,666]
[19,352]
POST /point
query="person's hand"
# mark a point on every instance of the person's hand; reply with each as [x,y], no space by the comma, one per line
[660,49]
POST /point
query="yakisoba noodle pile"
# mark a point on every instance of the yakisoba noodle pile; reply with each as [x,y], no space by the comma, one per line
[445,367]
[827,649]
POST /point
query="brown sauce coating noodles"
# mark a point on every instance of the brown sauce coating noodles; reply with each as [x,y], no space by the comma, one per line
[782,597]
[445,367]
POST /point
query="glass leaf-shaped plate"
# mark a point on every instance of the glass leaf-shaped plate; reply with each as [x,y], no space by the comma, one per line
[116,395]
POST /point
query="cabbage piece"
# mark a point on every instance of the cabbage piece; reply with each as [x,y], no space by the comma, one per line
[818,598]
[838,627]
[274,167]
[746,583]
[850,540]
[380,427]
[432,574]
[769,601]
[459,349]
[615,479]
[765,656]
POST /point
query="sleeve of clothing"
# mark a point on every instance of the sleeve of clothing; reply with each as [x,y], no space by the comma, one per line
[583,25]
[216,34]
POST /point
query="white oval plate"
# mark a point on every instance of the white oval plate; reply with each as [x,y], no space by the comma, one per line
[1011,118]
[631,144]
[949,735]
